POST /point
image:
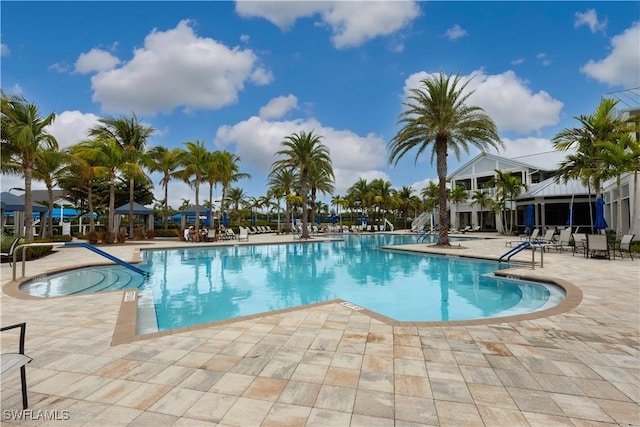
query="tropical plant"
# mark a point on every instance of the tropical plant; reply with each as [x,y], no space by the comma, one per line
[301,152]
[193,162]
[458,195]
[237,198]
[360,193]
[228,173]
[48,167]
[131,135]
[437,117]
[161,159]
[508,188]
[24,137]
[319,180]
[283,181]
[483,200]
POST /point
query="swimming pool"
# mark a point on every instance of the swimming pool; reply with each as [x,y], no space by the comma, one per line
[195,285]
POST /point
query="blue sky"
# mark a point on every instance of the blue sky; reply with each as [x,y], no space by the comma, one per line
[243,75]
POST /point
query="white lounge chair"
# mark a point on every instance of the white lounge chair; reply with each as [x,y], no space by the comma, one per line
[624,245]
[579,242]
[564,241]
[12,361]
[244,234]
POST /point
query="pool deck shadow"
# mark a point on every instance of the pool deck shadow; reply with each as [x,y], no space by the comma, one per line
[335,364]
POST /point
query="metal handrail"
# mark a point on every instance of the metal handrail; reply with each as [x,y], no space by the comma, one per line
[72,244]
[522,246]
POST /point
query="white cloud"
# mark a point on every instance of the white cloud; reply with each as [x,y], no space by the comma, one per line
[58,67]
[455,32]
[256,141]
[590,19]
[96,60]
[352,23]
[544,59]
[420,185]
[524,146]
[622,66]
[70,127]
[518,61]
[278,107]
[507,100]
[4,50]
[177,68]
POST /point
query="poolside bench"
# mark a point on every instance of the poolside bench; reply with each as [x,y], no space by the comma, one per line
[12,361]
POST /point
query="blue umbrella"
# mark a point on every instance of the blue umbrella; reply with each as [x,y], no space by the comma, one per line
[253,219]
[294,219]
[207,221]
[570,217]
[600,223]
[528,221]
[225,219]
[319,219]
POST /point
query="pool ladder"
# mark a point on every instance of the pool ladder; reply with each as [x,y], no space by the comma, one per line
[522,246]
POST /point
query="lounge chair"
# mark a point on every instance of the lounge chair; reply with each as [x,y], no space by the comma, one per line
[467,228]
[532,238]
[475,228]
[13,361]
[11,250]
[548,237]
[579,242]
[244,234]
[624,245]
[598,246]
[564,241]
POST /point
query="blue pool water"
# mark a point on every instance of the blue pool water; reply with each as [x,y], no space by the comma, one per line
[202,284]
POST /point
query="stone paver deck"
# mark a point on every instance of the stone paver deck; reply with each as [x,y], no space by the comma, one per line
[329,365]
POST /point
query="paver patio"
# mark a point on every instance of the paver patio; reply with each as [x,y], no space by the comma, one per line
[330,365]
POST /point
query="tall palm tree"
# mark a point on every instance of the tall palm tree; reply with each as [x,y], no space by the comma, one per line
[78,177]
[193,162]
[106,157]
[283,180]
[319,180]
[236,197]
[604,125]
[161,159]
[360,192]
[303,151]
[24,137]
[48,167]
[437,116]
[620,157]
[229,173]
[132,137]
[509,188]
[483,200]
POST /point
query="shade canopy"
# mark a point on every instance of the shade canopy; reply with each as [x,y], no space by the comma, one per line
[138,209]
[11,202]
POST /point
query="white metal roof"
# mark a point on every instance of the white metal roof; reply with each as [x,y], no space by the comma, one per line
[551,188]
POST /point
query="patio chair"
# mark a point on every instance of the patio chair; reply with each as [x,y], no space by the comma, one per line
[548,237]
[624,245]
[579,243]
[244,234]
[598,246]
[564,241]
[11,250]
[12,361]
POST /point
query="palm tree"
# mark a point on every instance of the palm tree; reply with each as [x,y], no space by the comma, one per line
[437,115]
[586,164]
[237,197]
[458,195]
[229,173]
[106,157]
[301,152]
[339,202]
[360,192]
[508,189]
[283,180]
[161,159]
[132,137]
[80,174]
[24,136]
[483,200]
[620,157]
[48,167]
[194,162]
[319,180]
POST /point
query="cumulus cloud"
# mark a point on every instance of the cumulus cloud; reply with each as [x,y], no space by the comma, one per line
[178,68]
[71,127]
[622,66]
[544,59]
[455,32]
[518,61]
[58,67]
[524,146]
[590,19]
[506,99]
[278,107]
[4,50]
[95,60]
[351,23]
[256,141]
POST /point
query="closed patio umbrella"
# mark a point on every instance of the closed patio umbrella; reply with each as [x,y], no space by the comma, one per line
[528,221]
[225,219]
[600,223]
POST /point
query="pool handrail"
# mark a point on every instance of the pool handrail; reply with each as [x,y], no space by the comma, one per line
[533,244]
[71,244]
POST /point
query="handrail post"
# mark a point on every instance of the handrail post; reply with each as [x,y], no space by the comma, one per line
[533,257]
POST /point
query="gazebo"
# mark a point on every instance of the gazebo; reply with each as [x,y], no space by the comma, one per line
[191,212]
[15,204]
[138,209]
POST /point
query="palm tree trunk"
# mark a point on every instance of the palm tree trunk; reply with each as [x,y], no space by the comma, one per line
[441,160]
[636,201]
[303,185]
[50,216]
[112,204]
[92,222]
[28,208]
[131,184]
[165,214]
